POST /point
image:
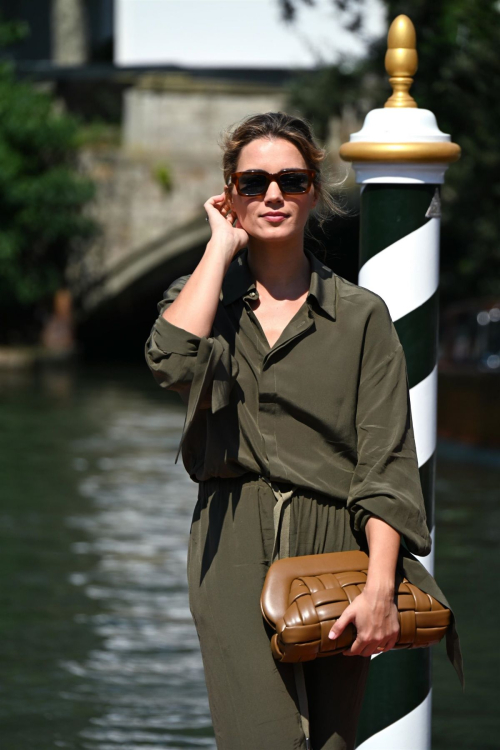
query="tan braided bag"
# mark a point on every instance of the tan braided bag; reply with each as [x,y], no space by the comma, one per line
[303,597]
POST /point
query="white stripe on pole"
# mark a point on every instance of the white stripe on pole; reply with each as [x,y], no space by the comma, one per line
[412,732]
[406,273]
[423,398]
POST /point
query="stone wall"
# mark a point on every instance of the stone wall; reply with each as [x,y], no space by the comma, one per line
[187,123]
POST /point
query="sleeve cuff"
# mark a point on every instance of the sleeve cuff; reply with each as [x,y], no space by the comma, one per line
[360,517]
[414,530]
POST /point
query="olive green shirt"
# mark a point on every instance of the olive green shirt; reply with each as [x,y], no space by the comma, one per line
[326,408]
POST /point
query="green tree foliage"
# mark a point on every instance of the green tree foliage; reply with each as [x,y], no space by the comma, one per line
[458,79]
[42,195]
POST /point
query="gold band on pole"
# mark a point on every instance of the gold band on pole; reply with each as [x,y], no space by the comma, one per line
[418,152]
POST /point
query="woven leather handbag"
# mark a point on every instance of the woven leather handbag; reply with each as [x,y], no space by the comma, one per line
[304,596]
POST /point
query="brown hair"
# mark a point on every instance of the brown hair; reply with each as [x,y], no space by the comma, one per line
[298,131]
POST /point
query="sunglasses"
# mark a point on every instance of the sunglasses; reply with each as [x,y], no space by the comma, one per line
[256,181]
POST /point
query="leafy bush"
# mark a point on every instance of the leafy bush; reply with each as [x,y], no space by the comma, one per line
[42,194]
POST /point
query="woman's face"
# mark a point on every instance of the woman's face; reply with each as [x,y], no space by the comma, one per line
[272,156]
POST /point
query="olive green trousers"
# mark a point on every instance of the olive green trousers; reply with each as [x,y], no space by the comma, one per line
[253,698]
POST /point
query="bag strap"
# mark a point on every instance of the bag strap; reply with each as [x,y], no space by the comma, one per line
[281,548]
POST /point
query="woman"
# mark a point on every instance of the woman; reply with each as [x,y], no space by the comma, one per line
[298,431]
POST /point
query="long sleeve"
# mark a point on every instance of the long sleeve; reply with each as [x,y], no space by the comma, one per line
[178,358]
[171,351]
[386,480]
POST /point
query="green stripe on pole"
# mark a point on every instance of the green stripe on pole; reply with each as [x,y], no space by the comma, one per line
[427,480]
[418,333]
[386,701]
[389,213]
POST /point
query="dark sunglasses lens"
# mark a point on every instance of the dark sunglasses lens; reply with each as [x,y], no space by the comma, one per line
[294,182]
[253,184]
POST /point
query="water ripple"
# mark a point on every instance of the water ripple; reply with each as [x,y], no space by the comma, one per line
[148,675]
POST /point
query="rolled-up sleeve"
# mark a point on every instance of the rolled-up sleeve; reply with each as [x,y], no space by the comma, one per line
[178,358]
[386,480]
[171,351]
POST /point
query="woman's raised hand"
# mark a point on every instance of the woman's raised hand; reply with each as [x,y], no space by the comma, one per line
[224,222]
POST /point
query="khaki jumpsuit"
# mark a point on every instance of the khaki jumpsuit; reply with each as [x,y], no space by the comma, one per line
[321,424]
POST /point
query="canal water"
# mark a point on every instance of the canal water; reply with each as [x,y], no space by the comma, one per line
[98,648]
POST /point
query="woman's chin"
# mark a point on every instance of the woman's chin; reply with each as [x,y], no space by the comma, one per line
[273,233]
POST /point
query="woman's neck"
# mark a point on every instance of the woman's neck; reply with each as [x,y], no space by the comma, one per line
[283,271]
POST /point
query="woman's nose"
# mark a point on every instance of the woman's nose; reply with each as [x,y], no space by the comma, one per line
[273,191]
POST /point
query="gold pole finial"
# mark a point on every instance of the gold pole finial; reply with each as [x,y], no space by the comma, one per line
[401,61]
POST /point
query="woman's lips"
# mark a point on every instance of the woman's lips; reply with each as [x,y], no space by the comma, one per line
[274,218]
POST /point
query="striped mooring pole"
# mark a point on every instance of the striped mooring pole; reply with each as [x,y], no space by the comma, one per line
[400,157]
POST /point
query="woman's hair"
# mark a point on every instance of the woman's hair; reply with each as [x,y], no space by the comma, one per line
[298,131]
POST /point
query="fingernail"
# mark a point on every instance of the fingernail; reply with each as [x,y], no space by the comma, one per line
[332,635]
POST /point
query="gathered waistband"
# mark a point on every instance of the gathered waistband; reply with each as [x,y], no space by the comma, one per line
[249,477]
[283,492]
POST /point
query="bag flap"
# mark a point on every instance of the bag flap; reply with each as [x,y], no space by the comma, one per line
[276,590]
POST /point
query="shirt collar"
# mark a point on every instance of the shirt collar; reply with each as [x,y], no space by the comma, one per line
[239,281]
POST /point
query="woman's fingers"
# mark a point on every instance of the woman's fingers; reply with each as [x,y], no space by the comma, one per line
[217,204]
[216,199]
[364,648]
[374,650]
[371,649]
[220,205]
[223,219]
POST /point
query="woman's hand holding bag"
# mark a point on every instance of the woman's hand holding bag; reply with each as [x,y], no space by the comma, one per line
[376,621]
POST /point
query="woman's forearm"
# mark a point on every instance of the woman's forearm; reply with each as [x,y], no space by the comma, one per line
[383,543]
[374,611]
[196,304]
